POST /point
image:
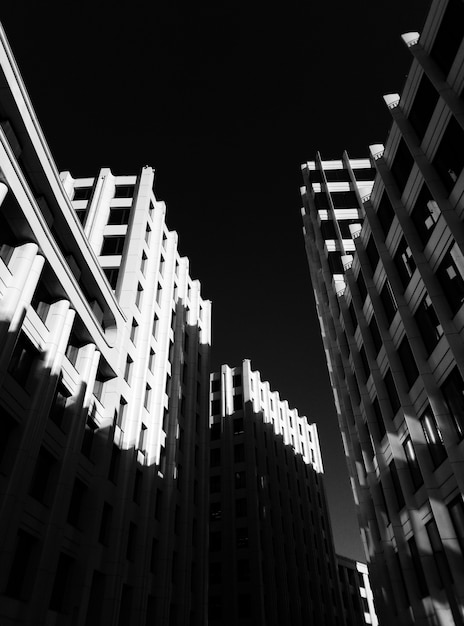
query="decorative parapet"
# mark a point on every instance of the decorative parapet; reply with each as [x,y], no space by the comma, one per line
[392,100]
[347,261]
[355,230]
[377,150]
[410,39]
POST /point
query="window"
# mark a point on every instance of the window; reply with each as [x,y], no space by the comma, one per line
[433,437]
[112,245]
[372,253]
[417,565]
[407,360]
[134,331]
[82,193]
[404,262]
[87,440]
[236,380]
[375,334]
[240,480]
[143,438]
[456,511]
[24,566]
[216,407]
[162,265]
[43,478]
[154,330]
[148,234]
[76,503]
[239,452]
[41,301]
[361,286]
[335,262]
[215,457]
[396,485]
[425,214]
[449,36]
[128,369]
[238,426]
[124,191]
[340,175]
[242,537]
[389,302]
[119,216]
[115,460]
[58,407]
[238,402]
[401,166]
[131,537]
[366,371]
[240,507]
[215,511]
[344,200]
[391,392]
[22,360]
[215,385]
[453,394]
[450,275]
[139,296]
[146,401]
[215,431]
[151,360]
[215,484]
[159,293]
[428,324]
[385,213]
[449,158]
[439,556]
[112,274]
[413,464]
[425,101]
[328,229]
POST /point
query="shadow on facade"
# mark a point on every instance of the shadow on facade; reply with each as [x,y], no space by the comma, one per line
[92,532]
[272,560]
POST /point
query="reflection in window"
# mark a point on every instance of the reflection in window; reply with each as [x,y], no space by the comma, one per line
[433,437]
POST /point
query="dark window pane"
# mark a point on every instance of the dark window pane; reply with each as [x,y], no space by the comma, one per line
[372,253]
[24,566]
[378,415]
[428,324]
[328,229]
[335,262]
[119,215]
[321,201]
[344,200]
[423,107]
[456,511]
[344,226]
[112,274]
[453,393]
[450,276]
[375,333]
[413,465]
[433,437]
[396,485]
[417,565]
[425,214]
[82,193]
[22,360]
[361,286]
[113,245]
[404,262]
[449,36]
[43,478]
[385,213]
[339,175]
[388,301]
[407,360]
[401,166]
[449,158]
[124,191]
[392,393]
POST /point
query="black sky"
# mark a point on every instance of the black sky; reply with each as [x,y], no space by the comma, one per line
[226,100]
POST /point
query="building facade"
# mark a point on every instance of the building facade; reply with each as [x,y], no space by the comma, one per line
[104,391]
[357,597]
[389,303]
[272,559]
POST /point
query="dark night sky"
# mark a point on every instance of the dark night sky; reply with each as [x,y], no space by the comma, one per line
[226,100]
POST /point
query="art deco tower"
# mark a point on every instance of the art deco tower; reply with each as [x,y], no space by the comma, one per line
[389,300]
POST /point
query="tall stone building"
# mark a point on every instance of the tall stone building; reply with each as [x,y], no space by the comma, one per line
[272,558]
[389,297]
[104,390]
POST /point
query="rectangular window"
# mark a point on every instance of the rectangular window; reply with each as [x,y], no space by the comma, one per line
[147,399]
[417,565]
[89,433]
[456,511]
[82,193]
[433,437]
[139,296]
[427,321]
[24,567]
[239,452]
[112,245]
[240,480]
[372,253]
[143,264]
[450,275]
[59,598]
[23,360]
[215,457]
[76,503]
[425,101]
[148,234]
[121,413]
[453,394]
[404,262]
[238,402]
[240,507]
[449,158]
[385,213]
[41,301]
[401,166]
[445,577]
[396,485]
[379,418]
[425,214]
[128,369]
[389,302]
[375,334]
[44,476]
[119,216]
[215,484]
[134,331]
[112,274]
[362,287]
[151,360]
[57,410]
[407,361]
[124,191]
[392,393]
[413,465]
[115,460]
[216,407]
